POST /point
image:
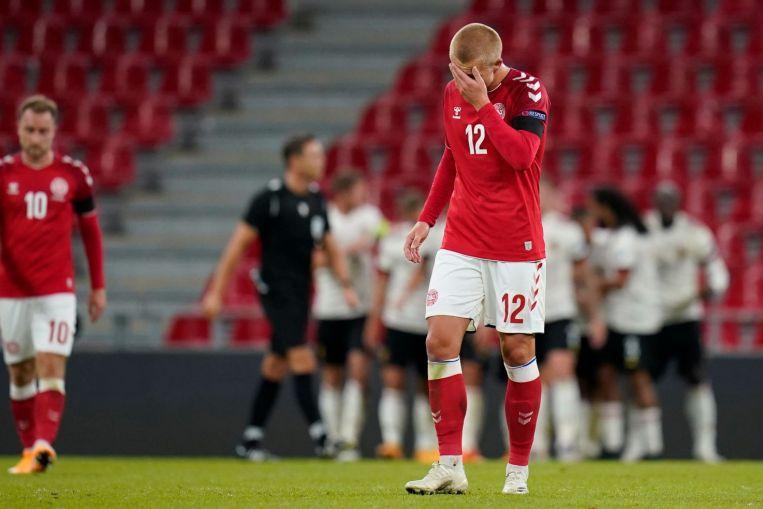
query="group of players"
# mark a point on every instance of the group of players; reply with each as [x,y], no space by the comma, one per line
[624,293]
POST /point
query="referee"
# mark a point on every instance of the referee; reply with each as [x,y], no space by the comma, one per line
[290,218]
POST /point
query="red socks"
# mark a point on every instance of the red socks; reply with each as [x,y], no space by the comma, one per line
[447,400]
[521,405]
[48,409]
[22,407]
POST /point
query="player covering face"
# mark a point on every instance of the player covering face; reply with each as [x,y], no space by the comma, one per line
[491,267]
[41,193]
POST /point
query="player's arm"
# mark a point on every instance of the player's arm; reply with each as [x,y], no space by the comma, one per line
[92,240]
[338,264]
[588,298]
[439,196]
[243,236]
[517,143]
[371,337]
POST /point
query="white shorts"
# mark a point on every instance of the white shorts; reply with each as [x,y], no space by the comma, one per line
[37,324]
[509,296]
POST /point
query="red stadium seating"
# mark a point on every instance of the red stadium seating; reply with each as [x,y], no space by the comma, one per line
[41,37]
[262,13]
[148,124]
[200,10]
[64,77]
[186,83]
[165,40]
[127,80]
[189,330]
[250,332]
[14,72]
[138,11]
[20,11]
[112,164]
[103,39]
[78,12]
[225,42]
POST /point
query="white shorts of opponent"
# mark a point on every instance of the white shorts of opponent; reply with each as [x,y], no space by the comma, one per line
[509,296]
[37,324]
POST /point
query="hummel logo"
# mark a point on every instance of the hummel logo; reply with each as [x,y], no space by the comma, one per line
[457,112]
[534,86]
[521,76]
[528,79]
[437,416]
[534,97]
[524,418]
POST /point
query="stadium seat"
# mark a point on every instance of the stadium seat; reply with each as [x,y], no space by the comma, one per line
[93,121]
[8,117]
[615,36]
[78,12]
[189,330]
[112,164]
[138,11]
[41,37]
[103,39]
[200,10]
[20,11]
[127,79]
[186,84]
[14,72]
[383,122]
[165,40]
[64,77]
[148,124]
[347,152]
[225,42]
[262,14]
[250,332]
[416,80]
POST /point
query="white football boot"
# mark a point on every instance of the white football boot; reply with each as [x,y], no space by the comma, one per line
[441,478]
[516,480]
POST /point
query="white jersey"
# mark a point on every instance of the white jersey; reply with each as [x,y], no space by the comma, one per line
[361,223]
[635,308]
[684,250]
[406,315]
[565,245]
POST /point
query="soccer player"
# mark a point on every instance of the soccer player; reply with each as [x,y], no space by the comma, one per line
[289,216]
[42,192]
[556,347]
[491,266]
[356,225]
[687,251]
[631,302]
[399,292]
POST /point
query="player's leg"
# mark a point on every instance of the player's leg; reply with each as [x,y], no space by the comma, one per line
[700,401]
[586,372]
[272,372]
[334,357]
[53,322]
[425,436]
[353,396]
[18,353]
[515,299]
[303,364]
[645,426]
[611,413]
[475,404]
[454,300]
[392,408]
[558,369]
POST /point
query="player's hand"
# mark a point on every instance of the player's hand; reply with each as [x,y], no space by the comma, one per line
[472,88]
[597,333]
[96,304]
[351,297]
[413,241]
[211,305]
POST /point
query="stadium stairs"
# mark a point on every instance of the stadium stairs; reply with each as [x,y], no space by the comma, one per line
[329,59]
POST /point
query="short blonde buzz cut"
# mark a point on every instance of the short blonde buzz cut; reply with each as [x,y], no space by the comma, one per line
[476,44]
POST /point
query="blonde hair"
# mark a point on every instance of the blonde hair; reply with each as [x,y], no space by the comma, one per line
[38,104]
[475,44]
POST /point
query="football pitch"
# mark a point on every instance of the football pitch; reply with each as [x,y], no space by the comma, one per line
[158,483]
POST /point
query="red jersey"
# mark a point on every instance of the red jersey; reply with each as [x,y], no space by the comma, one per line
[493,157]
[37,208]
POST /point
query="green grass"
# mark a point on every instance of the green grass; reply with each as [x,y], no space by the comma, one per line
[194,483]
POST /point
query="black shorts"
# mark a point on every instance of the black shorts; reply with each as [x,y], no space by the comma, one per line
[682,342]
[337,337]
[558,335]
[628,352]
[287,307]
[407,349]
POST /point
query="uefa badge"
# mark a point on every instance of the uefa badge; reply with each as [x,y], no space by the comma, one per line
[501,109]
[432,297]
[58,188]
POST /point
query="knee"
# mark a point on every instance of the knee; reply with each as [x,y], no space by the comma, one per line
[50,366]
[22,373]
[441,347]
[301,360]
[394,378]
[472,373]
[559,366]
[358,366]
[518,349]
[273,368]
[332,376]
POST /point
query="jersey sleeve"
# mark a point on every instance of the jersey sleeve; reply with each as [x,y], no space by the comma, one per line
[83,200]
[530,109]
[257,212]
